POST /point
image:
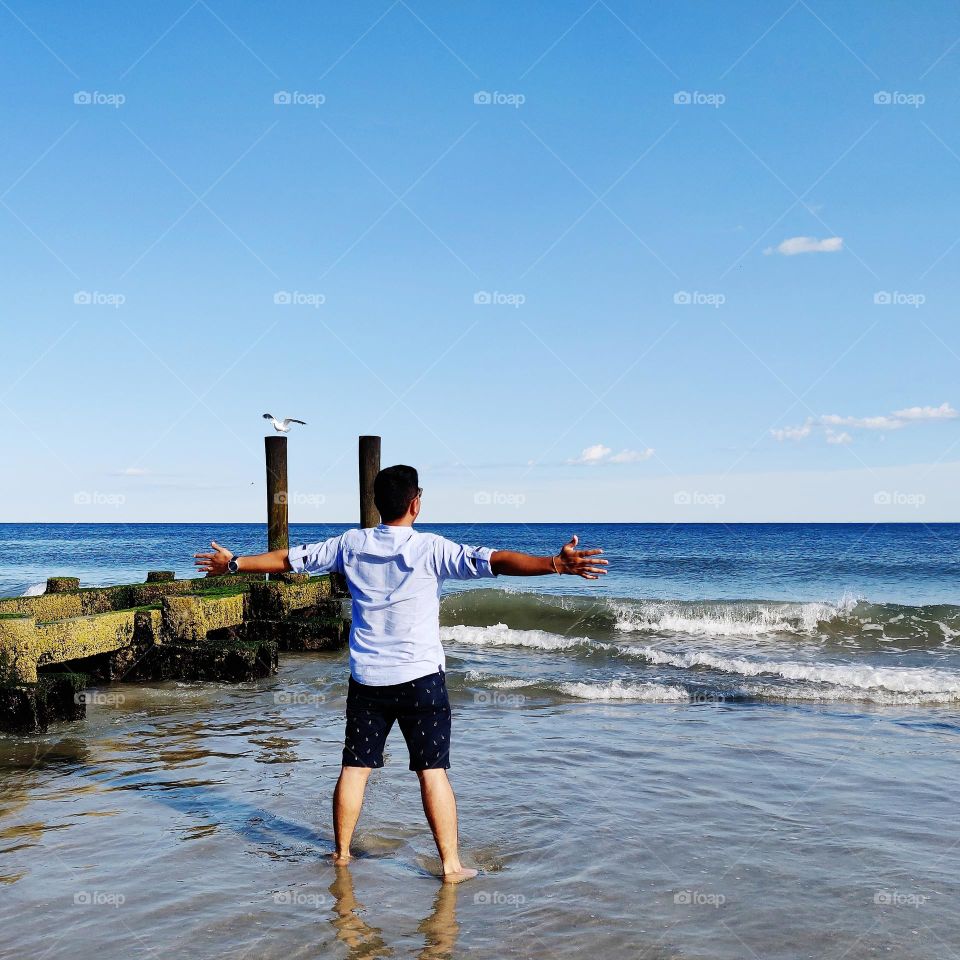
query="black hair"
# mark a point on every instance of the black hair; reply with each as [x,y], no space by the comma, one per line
[393,489]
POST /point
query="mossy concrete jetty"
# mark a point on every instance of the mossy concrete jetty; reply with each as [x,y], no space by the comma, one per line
[228,628]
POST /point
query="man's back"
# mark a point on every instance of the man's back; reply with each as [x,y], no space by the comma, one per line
[395,575]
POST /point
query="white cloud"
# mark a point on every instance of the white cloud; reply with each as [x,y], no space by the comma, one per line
[134,472]
[793,433]
[894,421]
[943,412]
[595,454]
[794,245]
[600,453]
[632,456]
[862,423]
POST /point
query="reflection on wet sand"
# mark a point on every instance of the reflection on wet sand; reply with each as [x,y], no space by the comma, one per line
[365,942]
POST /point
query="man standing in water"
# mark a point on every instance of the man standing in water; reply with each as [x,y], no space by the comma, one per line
[395,576]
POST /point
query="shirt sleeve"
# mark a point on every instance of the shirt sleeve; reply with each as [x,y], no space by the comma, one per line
[323,557]
[457,561]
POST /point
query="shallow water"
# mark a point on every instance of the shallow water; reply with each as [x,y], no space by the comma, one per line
[639,773]
[194,820]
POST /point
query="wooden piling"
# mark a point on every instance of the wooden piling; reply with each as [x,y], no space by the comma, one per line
[369,468]
[278,537]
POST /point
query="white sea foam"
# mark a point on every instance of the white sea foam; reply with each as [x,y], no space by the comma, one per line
[34,590]
[928,682]
[587,690]
[821,693]
[856,676]
[500,635]
[618,690]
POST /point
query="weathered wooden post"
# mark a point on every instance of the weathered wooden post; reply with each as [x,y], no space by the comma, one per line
[278,537]
[369,468]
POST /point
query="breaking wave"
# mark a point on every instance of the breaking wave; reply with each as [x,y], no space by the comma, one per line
[848,621]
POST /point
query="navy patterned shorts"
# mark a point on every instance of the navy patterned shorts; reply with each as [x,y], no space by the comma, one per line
[420,707]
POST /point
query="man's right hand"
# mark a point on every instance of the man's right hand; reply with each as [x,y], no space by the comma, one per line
[213,564]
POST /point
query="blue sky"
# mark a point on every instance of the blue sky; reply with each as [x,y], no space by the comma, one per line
[713,246]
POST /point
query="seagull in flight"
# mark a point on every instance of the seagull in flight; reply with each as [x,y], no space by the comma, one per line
[282,426]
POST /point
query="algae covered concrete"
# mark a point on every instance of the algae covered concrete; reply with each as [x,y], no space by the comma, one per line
[32,707]
[212,628]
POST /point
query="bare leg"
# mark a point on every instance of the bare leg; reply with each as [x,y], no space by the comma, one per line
[440,806]
[347,801]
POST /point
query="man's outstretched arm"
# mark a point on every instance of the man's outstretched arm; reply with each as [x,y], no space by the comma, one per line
[215,564]
[581,563]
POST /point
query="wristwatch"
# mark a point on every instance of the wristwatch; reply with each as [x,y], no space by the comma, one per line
[232,566]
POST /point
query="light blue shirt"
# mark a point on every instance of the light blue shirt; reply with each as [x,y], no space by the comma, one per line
[395,575]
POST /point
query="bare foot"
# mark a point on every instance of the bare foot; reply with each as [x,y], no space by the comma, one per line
[458,876]
[340,859]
